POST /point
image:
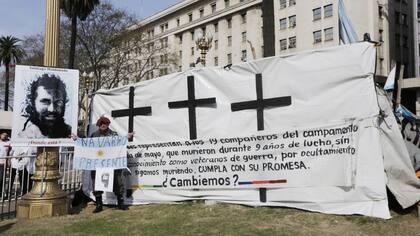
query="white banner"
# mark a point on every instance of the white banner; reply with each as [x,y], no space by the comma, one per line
[101,152]
[308,91]
[321,156]
[45,106]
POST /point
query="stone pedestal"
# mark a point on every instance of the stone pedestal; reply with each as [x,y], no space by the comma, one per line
[45,199]
[31,209]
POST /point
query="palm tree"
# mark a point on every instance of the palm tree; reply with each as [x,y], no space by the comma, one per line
[10,52]
[76,9]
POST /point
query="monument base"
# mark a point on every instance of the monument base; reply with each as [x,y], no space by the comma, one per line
[32,209]
[45,199]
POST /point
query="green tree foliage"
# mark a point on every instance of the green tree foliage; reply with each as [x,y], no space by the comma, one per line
[76,9]
[10,52]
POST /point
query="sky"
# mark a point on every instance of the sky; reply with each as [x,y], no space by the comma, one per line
[27,17]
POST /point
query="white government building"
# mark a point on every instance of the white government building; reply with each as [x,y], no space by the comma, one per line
[244,30]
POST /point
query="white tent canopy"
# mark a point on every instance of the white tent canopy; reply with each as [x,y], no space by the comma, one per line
[326,87]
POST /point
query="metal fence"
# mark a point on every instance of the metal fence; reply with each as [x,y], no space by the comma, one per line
[15,180]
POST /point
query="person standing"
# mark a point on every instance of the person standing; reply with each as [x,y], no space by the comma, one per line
[4,152]
[23,164]
[118,185]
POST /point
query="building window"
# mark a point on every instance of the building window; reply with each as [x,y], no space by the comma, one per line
[190,17]
[243,37]
[150,33]
[216,44]
[317,36]
[180,55]
[229,58]
[328,10]
[229,39]
[381,35]
[164,42]
[397,40]
[229,23]
[283,23]
[178,21]
[192,35]
[216,61]
[380,11]
[216,27]
[151,47]
[292,42]
[163,71]
[213,7]
[316,13]
[283,44]
[180,39]
[405,41]
[404,19]
[192,51]
[201,12]
[397,17]
[292,3]
[283,4]
[243,18]
[227,3]
[328,34]
[243,55]
[292,21]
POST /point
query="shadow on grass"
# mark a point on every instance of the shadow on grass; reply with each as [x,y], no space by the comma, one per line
[79,202]
[6,227]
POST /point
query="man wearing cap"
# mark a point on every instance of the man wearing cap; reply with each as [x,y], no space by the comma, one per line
[104,130]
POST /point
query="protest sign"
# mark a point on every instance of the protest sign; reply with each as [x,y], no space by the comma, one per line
[104,179]
[45,108]
[100,152]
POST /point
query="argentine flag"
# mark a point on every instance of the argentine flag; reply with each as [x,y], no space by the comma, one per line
[346,29]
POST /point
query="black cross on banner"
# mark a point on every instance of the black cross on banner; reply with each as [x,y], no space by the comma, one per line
[132,111]
[191,104]
[261,103]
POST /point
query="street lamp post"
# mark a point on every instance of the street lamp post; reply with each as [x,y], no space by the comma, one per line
[46,198]
[87,81]
[203,42]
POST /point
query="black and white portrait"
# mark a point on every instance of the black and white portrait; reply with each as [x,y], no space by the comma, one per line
[45,106]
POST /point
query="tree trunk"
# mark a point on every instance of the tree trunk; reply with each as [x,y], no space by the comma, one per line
[73,41]
[6,92]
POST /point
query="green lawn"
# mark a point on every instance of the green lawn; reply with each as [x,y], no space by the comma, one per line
[220,219]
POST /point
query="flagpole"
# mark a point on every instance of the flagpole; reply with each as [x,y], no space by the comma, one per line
[400,83]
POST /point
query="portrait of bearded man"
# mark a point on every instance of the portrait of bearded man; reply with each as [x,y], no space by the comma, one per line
[45,109]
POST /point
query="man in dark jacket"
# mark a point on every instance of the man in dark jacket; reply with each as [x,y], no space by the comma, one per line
[104,130]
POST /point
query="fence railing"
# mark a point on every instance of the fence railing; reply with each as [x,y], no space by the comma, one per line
[15,179]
